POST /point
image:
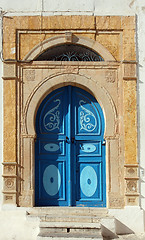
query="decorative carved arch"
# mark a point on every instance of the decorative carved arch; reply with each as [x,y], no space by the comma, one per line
[54,41]
[49,84]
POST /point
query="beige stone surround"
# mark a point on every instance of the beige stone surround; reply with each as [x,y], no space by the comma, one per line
[112,82]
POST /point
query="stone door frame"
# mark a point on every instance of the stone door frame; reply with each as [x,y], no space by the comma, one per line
[27,83]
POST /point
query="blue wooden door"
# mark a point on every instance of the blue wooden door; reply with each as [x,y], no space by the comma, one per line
[70,150]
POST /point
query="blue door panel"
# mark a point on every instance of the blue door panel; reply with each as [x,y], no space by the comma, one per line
[87,117]
[87,148]
[89,180]
[52,119]
[52,147]
[52,183]
[70,150]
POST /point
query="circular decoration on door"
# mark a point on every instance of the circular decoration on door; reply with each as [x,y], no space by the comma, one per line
[51,180]
[88,181]
[88,148]
[51,147]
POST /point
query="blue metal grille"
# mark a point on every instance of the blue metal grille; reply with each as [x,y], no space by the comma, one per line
[69,52]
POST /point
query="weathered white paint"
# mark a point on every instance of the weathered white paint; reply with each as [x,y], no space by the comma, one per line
[129,219]
[15,225]
[98,7]
[131,216]
[141,99]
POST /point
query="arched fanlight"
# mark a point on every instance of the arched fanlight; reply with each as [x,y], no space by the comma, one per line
[69,52]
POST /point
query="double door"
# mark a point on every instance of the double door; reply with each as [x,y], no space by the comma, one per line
[70,150]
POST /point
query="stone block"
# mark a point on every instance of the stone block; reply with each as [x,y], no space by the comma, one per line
[87,35]
[10,169]
[108,22]
[129,51]
[131,186]
[34,22]
[116,200]
[9,118]
[129,70]
[131,171]
[9,50]
[132,200]
[111,42]
[9,198]
[9,70]
[69,22]
[28,41]
[9,184]
[128,22]
[130,127]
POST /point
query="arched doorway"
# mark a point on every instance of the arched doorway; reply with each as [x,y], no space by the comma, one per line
[70,150]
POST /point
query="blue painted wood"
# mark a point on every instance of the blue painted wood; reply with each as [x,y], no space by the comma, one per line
[70,155]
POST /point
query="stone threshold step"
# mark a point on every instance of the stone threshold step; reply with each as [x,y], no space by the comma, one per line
[68,211]
[69,225]
[82,231]
[69,218]
[68,236]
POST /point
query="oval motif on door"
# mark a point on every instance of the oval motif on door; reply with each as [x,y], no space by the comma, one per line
[88,181]
[51,147]
[88,148]
[51,180]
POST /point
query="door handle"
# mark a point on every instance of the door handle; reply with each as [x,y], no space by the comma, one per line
[104,142]
[66,139]
[73,140]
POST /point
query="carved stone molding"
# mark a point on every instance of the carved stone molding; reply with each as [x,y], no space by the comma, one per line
[131,186]
[131,171]
[9,198]
[110,76]
[116,201]
[69,78]
[129,70]
[27,199]
[132,200]
[9,70]
[29,74]
[10,182]
[10,168]
[71,69]
[68,37]
[131,181]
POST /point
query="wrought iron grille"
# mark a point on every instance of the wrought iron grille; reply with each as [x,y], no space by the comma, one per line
[69,52]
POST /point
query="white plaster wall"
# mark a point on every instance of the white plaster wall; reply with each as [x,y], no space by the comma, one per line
[15,225]
[99,7]
[141,97]
[91,7]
